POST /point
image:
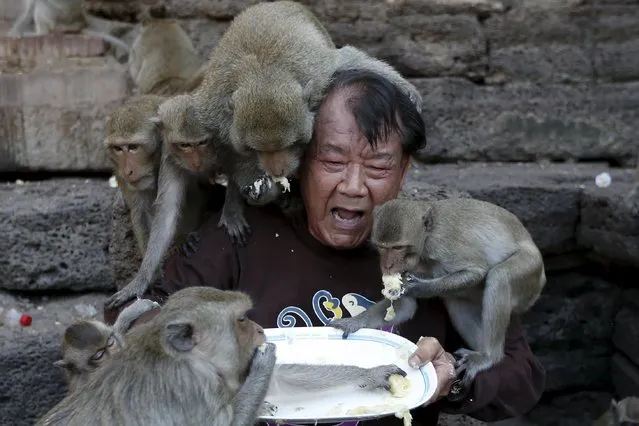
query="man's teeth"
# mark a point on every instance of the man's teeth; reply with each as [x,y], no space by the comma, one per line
[346,214]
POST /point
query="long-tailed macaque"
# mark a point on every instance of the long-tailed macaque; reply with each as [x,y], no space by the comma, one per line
[163,60]
[88,344]
[200,360]
[478,257]
[63,16]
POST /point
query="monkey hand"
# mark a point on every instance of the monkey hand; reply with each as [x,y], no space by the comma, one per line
[470,363]
[263,361]
[236,226]
[132,290]
[260,192]
[189,246]
[348,325]
[267,409]
[377,377]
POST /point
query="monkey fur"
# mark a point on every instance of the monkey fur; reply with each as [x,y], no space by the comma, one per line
[259,90]
[87,344]
[163,60]
[622,413]
[65,16]
[197,362]
[135,147]
[478,257]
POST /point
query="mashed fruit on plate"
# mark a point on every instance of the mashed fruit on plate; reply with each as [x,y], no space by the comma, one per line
[399,385]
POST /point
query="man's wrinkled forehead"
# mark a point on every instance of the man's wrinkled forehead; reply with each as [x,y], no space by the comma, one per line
[338,132]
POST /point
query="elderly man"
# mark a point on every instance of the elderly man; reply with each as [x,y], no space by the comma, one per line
[366,131]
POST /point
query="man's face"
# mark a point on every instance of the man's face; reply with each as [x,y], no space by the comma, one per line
[343,177]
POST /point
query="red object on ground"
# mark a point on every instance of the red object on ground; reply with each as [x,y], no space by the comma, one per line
[25,320]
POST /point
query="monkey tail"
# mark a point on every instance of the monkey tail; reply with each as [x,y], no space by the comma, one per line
[110,39]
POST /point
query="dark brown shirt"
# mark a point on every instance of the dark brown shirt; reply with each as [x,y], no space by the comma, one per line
[294,280]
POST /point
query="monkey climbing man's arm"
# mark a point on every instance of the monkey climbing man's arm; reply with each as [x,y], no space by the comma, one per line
[214,263]
[510,388]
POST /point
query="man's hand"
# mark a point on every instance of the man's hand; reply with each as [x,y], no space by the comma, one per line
[430,350]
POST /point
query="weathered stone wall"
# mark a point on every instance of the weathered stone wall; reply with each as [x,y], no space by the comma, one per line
[504,82]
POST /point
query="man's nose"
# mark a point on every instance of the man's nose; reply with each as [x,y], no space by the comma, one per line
[353,184]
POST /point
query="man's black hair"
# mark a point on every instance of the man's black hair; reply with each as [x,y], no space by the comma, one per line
[380,107]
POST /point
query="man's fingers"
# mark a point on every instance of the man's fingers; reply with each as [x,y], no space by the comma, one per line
[428,348]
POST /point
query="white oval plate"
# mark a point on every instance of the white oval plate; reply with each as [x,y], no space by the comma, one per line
[365,348]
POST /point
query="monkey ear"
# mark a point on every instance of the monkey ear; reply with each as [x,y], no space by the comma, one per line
[180,336]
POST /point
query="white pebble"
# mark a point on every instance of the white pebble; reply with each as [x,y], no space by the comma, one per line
[86,310]
[19,182]
[13,318]
[603,180]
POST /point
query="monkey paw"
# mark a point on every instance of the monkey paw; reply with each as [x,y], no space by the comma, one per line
[470,363]
[120,298]
[263,361]
[347,325]
[256,193]
[377,377]
[236,227]
[267,409]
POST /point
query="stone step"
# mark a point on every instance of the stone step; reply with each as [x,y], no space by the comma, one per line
[64,223]
[31,384]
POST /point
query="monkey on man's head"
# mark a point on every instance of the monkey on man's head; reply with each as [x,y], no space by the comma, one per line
[199,361]
[478,257]
[258,94]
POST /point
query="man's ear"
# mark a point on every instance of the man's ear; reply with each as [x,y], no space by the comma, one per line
[180,336]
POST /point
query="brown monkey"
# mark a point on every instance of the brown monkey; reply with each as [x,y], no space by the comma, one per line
[65,16]
[622,413]
[199,361]
[87,344]
[266,76]
[478,257]
[162,59]
[134,141]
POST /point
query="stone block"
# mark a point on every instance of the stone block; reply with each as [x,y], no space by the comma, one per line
[609,226]
[25,53]
[31,384]
[55,235]
[615,34]
[55,116]
[526,121]
[541,44]
[545,198]
[625,376]
[573,308]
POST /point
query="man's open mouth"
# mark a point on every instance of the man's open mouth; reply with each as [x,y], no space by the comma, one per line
[347,217]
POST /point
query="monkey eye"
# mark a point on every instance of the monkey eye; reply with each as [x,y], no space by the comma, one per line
[185,146]
[98,355]
[133,147]
[117,149]
[202,143]
[111,341]
[242,318]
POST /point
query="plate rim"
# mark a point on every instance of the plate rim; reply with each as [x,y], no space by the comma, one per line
[364,334]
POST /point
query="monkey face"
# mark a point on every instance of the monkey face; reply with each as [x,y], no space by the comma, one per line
[397,259]
[280,163]
[133,164]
